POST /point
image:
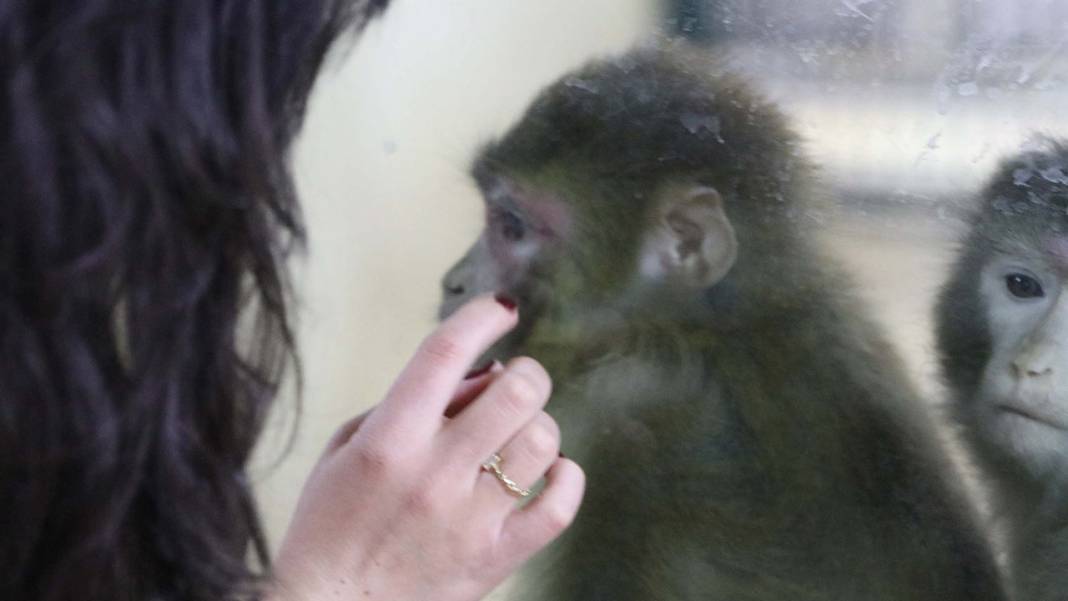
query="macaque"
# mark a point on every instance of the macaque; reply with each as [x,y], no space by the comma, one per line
[1003,339]
[747,431]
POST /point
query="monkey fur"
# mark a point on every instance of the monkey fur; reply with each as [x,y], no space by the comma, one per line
[1002,320]
[747,431]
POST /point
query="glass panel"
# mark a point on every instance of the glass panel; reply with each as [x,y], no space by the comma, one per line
[745,426]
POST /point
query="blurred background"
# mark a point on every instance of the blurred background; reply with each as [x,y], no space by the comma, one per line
[905,104]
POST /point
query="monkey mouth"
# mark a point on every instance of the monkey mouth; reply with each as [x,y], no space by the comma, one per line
[1031,415]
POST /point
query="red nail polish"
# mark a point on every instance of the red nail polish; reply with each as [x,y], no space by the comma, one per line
[480,371]
[506,301]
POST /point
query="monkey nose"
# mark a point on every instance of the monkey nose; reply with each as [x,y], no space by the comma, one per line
[1031,370]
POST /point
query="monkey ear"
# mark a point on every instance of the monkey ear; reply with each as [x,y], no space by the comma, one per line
[692,241]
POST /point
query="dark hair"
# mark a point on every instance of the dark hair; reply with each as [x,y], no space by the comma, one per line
[146,202]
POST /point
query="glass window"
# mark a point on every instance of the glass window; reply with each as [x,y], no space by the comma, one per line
[775,430]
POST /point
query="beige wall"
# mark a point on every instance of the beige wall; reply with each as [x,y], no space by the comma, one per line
[381,166]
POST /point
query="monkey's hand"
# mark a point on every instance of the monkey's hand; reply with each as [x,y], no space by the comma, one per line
[399,507]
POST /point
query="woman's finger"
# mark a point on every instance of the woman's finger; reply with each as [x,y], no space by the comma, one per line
[472,386]
[414,405]
[523,461]
[530,528]
[514,398]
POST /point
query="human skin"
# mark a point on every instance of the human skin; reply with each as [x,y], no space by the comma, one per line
[398,508]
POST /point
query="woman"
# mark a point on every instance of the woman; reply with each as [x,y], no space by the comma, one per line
[148,209]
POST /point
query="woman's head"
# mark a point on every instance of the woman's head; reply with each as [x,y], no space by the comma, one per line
[146,202]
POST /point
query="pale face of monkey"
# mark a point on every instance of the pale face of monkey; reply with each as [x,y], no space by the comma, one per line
[1023,398]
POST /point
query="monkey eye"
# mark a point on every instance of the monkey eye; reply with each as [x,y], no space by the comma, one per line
[1023,286]
[510,225]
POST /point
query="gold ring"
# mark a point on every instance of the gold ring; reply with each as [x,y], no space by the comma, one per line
[493,466]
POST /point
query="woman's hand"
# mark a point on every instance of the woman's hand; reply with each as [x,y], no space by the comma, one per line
[399,509]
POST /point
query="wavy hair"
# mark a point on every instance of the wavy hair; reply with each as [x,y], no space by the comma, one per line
[147,208]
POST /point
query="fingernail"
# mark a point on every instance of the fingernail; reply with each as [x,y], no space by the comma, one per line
[506,301]
[480,371]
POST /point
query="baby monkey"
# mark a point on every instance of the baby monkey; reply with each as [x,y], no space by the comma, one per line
[747,432]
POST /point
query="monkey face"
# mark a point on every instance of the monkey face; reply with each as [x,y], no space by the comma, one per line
[1023,397]
[520,240]
[544,248]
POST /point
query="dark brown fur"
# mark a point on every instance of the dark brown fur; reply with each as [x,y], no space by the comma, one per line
[755,440]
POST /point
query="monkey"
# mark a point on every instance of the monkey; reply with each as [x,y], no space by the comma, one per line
[1002,338]
[746,430]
